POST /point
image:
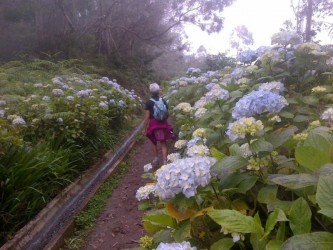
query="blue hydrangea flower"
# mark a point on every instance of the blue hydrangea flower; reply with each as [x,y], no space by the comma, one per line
[258,102]
[237,73]
[248,56]
[121,103]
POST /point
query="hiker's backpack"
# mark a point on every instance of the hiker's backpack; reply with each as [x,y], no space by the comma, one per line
[160,110]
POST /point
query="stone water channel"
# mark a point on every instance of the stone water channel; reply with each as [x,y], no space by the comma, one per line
[56,221]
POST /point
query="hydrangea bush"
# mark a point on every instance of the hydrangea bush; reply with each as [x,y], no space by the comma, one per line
[254,164]
[51,129]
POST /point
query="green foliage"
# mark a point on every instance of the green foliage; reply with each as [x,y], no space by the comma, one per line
[49,133]
[271,186]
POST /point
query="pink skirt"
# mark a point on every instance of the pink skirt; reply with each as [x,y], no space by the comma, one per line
[159,131]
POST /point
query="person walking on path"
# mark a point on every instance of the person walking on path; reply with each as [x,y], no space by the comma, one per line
[156,126]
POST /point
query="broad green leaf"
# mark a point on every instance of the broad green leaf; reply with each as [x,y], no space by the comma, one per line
[216,153]
[294,181]
[300,217]
[247,184]
[301,118]
[229,165]
[236,94]
[311,241]
[324,195]
[257,240]
[261,146]
[157,220]
[267,194]
[233,220]
[278,204]
[281,136]
[286,114]
[274,217]
[274,245]
[235,150]
[318,141]
[243,181]
[163,236]
[183,232]
[223,244]
[311,158]
[311,100]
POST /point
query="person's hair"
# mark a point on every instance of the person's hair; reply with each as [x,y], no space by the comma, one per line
[154,88]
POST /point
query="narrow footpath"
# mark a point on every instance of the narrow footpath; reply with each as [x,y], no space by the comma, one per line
[119,226]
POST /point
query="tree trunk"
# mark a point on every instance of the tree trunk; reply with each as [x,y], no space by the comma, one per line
[309,14]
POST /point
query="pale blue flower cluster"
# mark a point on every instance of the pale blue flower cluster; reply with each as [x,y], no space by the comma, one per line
[121,103]
[327,115]
[18,121]
[258,102]
[247,56]
[217,93]
[83,93]
[58,92]
[183,176]
[286,37]
[276,87]
[175,246]
[237,73]
[193,71]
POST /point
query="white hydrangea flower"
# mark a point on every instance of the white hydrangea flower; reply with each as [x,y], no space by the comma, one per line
[103,104]
[314,124]
[275,118]
[175,246]
[243,126]
[144,192]
[200,150]
[60,120]
[173,157]
[70,98]
[58,92]
[38,85]
[200,132]
[318,89]
[18,121]
[245,149]
[147,167]
[183,176]
[327,115]
[276,87]
[217,93]
[183,106]
[237,236]
[180,144]
[200,112]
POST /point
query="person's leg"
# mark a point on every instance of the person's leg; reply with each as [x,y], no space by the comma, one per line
[164,151]
[155,153]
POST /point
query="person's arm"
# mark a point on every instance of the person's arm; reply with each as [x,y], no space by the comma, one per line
[146,121]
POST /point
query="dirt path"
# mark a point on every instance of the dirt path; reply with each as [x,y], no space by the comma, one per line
[119,226]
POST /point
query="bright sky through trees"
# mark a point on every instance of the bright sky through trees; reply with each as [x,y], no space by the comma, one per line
[263,18]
